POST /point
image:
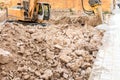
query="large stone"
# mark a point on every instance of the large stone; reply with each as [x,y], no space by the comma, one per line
[65,58]
[47,74]
[5,56]
[75,65]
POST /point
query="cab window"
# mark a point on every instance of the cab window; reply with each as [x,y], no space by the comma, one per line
[40,11]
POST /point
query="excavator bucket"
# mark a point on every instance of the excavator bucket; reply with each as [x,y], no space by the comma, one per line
[3,16]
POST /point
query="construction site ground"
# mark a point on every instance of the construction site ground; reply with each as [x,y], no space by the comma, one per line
[107,64]
[64,49]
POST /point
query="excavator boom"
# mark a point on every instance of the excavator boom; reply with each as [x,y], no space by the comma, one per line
[96,8]
[32,6]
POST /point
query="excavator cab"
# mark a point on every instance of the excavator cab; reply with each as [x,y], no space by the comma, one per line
[43,11]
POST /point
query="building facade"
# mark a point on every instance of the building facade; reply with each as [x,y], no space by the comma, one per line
[68,4]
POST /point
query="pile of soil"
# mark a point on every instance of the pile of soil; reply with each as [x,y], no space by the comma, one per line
[77,20]
[55,52]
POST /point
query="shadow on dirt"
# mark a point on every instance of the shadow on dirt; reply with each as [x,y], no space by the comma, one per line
[26,23]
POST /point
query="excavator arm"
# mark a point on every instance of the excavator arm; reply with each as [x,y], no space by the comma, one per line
[89,12]
[96,8]
[114,4]
[32,6]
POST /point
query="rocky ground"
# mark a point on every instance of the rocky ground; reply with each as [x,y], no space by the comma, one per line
[63,50]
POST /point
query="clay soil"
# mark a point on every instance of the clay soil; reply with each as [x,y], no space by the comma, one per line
[63,50]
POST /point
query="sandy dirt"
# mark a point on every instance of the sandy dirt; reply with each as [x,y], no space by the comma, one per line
[60,51]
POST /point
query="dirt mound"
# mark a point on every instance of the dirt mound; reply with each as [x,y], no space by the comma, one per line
[61,52]
[78,20]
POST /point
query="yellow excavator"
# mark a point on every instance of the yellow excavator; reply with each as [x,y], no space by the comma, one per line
[29,10]
[96,8]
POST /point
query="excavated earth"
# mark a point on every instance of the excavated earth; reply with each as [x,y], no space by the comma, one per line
[60,51]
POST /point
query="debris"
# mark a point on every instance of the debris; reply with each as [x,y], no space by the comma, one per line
[26,77]
[65,58]
[47,74]
[4,53]
[65,75]
[56,52]
[75,64]
[5,56]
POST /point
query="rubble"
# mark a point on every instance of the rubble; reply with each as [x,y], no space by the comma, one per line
[5,56]
[55,52]
[65,75]
[77,20]
[75,64]
[65,58]
[47,74]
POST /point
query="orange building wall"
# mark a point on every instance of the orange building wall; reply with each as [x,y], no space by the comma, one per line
[68,4]
[75,4]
